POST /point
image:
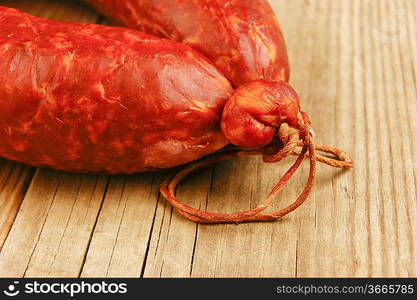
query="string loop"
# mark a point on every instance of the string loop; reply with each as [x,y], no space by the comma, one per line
[296,141]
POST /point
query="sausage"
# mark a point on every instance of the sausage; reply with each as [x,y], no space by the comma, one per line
[80,97]
[241,37]
[93,98]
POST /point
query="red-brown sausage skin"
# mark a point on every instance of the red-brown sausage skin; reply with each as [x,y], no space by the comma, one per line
[79,97]
[241,37]
[255,111]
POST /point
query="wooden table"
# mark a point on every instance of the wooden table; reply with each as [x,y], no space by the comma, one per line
[354,62]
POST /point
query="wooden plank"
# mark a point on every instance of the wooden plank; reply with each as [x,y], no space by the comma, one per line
[59,209]
[62,244]
[317,211]
[407,54]
[172,243]
[14,180]
[245,250]
[27,227]
[397,220]
[120,238]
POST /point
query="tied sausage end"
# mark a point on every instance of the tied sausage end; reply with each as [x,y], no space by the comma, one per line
[255,112]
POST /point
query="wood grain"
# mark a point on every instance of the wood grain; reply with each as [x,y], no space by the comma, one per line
[354,63]
[120,238]
[14,180]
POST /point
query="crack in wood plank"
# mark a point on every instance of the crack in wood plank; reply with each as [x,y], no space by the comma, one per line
[118,229]
[142,272]
[94,226]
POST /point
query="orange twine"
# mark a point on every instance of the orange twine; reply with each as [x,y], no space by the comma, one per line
[297,142]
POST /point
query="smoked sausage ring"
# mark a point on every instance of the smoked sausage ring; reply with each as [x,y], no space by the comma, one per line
[91,98]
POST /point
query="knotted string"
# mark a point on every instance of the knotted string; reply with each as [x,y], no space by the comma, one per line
[297,142]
